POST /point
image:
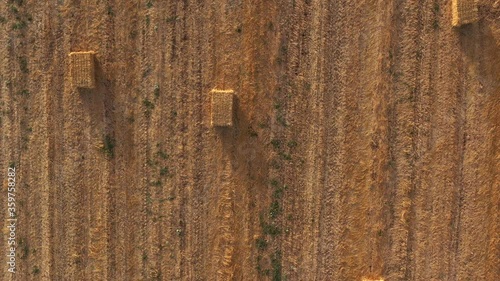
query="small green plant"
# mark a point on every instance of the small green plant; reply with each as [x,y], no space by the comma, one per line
[435,24]
[25,250]
[24,92]
[278,193]
[259,267]
[285,156]
[275,209]
[270,229]
[275,164]
[14,9]
[149,107]
[171,19]
[292,144]
[36,270]
[276,266]
[19,25]
[133,34]
[261,243]
[307,86]
[162,154]
[282,54]
[284,49]
[274,183]
[281,120]
[270,26]
[151,163]
[108,146]
[25,140]
[276,143]
[263,125]
[146,72]
[164,171]
[12,165]
[23,64]
[149,4]
[148,104]
[156,90]
[252,132]
[436,8]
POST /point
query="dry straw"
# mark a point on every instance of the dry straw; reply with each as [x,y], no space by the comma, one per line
[222,107]
[82,69]
[464,12]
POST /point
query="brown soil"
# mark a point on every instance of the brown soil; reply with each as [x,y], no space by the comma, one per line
[365,140]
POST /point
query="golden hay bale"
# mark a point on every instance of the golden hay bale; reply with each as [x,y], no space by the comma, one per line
[82,69]
[222,108]
[464,12]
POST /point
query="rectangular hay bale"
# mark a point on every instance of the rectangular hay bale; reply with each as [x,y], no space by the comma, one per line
[222,107]
[82,68]
[464,12]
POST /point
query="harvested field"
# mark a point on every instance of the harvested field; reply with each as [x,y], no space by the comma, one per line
[364,140]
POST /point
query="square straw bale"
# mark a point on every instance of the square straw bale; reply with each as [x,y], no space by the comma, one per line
[464,12]
[82,67]
[222,107]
